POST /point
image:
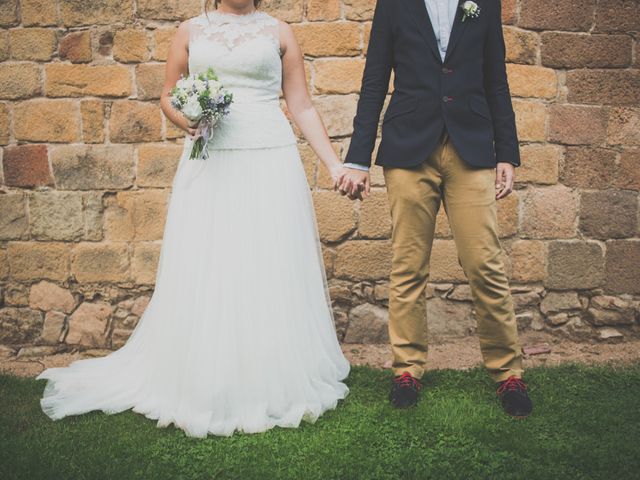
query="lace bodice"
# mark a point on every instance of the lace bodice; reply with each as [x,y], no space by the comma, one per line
[244,51]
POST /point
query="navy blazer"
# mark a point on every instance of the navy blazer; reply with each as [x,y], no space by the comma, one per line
[467,93]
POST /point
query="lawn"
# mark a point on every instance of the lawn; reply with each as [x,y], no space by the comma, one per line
[586,424]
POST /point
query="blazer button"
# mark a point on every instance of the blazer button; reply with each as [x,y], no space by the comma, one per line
[446,70]
[447,98]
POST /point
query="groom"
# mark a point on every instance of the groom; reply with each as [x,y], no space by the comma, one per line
[448,135]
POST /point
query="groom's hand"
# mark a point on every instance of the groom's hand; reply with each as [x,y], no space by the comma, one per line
[505,174]
[355,183]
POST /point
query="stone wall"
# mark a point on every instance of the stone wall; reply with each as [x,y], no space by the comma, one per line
[88,160]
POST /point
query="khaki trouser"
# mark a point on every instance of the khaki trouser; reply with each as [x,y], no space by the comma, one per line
[468,196]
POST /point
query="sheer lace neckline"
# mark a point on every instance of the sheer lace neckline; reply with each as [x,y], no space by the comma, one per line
[218,17]
[233,29]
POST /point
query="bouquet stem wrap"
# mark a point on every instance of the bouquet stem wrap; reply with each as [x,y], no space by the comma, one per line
[204,133]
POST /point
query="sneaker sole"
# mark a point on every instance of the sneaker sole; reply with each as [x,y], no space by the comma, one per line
[518,417]
[404,407]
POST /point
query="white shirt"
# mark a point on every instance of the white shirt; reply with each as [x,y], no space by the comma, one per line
[441,13]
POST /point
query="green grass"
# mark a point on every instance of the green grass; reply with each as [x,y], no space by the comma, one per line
[586,424]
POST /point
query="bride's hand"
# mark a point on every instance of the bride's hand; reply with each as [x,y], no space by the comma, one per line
[337,171]
[190,126]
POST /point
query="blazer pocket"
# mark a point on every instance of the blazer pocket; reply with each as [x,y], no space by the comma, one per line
[400,107]
[480,106]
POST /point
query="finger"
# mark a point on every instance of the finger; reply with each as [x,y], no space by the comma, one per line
[357,187]
[508,182]
[348,185]
[507,190]
[509,187]
[504,193]
[352,192]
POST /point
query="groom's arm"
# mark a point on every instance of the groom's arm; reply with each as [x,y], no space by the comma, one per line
[497,90]
[375,85]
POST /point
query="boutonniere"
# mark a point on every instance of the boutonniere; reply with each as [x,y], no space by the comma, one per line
[470,9]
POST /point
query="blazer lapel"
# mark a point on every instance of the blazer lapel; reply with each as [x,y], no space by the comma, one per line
[420,16]
[456,30]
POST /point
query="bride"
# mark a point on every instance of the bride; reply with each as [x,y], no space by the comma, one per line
[239,333]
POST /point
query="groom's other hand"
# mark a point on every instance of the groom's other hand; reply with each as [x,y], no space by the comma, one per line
[505,175]
[355,183]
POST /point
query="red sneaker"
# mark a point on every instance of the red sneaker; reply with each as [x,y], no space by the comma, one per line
[514,397]
[404,391]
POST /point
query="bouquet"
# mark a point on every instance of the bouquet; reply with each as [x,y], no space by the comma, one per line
[201,98]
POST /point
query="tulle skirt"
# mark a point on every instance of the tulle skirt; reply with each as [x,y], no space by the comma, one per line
[238,334]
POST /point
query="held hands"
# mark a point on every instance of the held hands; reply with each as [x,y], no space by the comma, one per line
[352,182]
[505,175]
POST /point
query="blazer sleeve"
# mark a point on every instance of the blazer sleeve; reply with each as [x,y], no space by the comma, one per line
[375,85]
[497,90]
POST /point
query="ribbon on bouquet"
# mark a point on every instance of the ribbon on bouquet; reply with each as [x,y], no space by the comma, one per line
[204,133]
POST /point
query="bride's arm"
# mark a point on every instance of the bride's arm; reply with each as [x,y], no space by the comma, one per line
[177,64]
[303,113]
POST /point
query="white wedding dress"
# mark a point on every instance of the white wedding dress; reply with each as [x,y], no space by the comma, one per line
[238,334]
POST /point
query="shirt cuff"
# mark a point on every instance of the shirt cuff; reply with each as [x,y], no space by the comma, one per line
[356,166]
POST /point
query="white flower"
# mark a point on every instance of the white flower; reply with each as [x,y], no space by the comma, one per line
[185,83]
[192,109]
[200,85]
[470,9]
